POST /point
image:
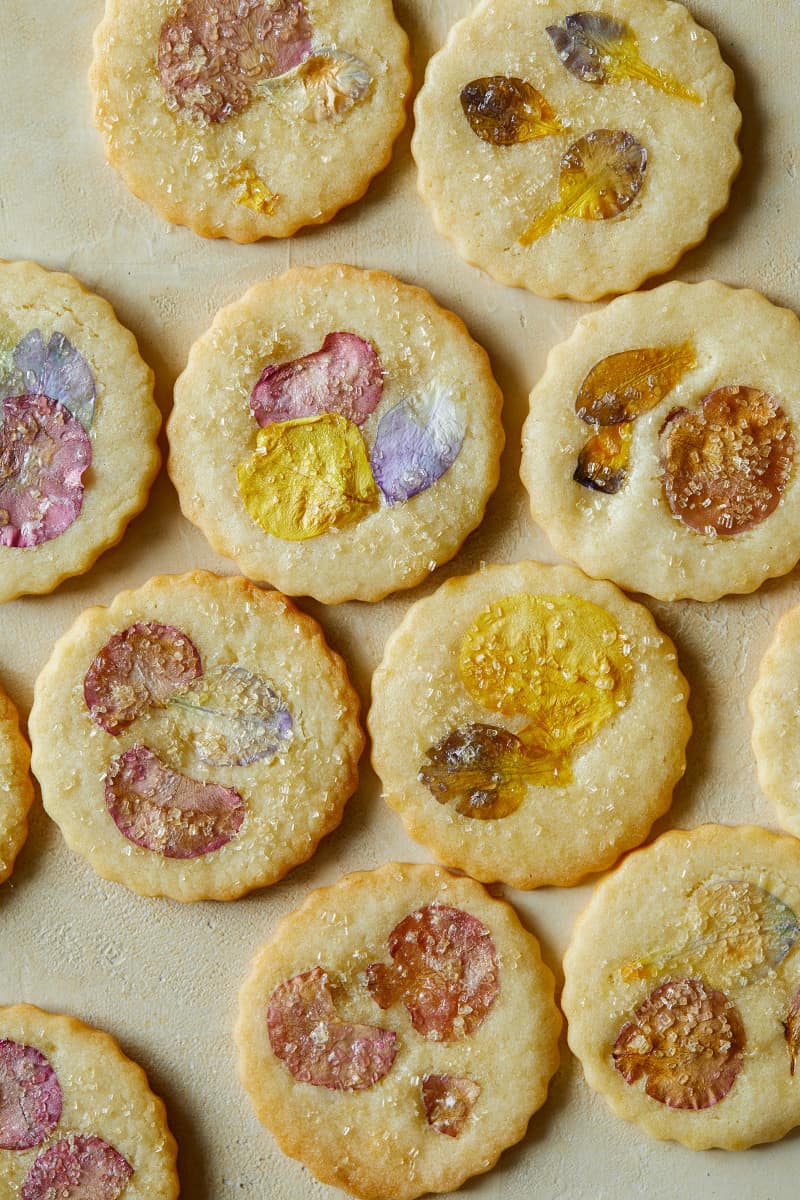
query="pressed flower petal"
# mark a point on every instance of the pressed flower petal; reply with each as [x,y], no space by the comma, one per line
[239,717]
[504,110]
[344,376]
[319,1048]
[448,1100]
[56,370]
[415,443]
[30,1096]
[332,82]
[79,1167]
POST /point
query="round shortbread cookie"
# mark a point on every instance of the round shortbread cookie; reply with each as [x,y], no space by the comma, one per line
[528,724]
[336,433]
[197,738]
[560,157]
[398,1032]
[249,118]
[682,991]
[775,705]
[659,451]
[78,427]
[77,1118]
[16,788]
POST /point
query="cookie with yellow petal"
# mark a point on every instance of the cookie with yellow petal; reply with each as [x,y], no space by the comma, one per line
[77,1117]
[16,788]
[682,989]
[661,452]
[576,153]
[78,427]
[336,433]
[528,723]
[775,704]
[398,1031]
[207,737]
[249,118]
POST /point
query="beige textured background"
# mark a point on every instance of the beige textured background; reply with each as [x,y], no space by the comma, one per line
[163,978]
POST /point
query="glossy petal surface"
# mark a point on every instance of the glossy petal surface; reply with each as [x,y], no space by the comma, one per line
[603,462]
[30,1096]
[416,442]
[505,110]
[623,386]
[344,376]
[54,369]
[448,1100]
[78,1168]
[239,717]
[166,812]
[319,1048]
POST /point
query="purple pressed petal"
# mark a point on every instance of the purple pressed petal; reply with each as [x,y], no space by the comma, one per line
[30,1096]
[416,442]
[79,1167]
[57,370]
[239,717]
[44,451]
[343,377]
[169,813]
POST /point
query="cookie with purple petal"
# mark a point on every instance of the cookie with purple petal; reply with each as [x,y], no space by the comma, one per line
[682,987]
[78,427]
[336,433]
[405,1009]
[207,737]
[16,787]
[249,118]
[77,1117]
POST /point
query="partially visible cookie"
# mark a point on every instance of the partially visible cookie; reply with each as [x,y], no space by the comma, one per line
[249,118]
[16,788]
[398,1031]
[682,990]
[195,739]
[78,427]
[77,1118]
[336,433]
[661,449]
[528,723]
[576,153]
[775,705]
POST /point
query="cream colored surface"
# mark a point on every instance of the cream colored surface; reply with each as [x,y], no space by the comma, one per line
[622,777]
[183,167]
[632,536]
[123,433]
[484,197]
[643,909]
[103,1094]
[161,977]
[291,800]
[16,787]
[376,1142]
[420,347]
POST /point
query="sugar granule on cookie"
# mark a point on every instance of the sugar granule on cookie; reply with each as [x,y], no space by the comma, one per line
[212,737]
[402,1008]
[682,983]
[546,729]
[349,437]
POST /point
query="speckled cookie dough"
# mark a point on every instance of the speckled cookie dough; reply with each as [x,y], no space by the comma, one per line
[398,1031]
[661,445]
[775,705]
[576,153]
[207,737]
[528,724]
[77,1118]
[249,118]
[682,990]
[78,428]
[16,788]
[336,433]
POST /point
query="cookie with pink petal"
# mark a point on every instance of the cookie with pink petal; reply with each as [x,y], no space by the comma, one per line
[403,1008]
[77,1118]
[682,988]
[78,428]
[208,737]
[251,117]
[16,787]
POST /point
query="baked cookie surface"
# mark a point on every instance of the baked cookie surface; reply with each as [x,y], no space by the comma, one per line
[208,737]
[336,433]
[681,991]
[77,1117]
[661,443]
[16,788]
[398,1031]
[78,427]
[528,724]
[249,118]
[576,153]
[774,704]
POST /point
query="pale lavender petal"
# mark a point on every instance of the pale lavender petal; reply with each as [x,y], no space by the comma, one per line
[416,442]
[344,376]
[56,370]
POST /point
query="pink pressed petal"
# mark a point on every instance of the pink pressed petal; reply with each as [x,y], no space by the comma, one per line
[343,377]
[78,1168]
[30,1096]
